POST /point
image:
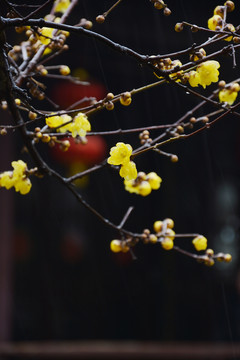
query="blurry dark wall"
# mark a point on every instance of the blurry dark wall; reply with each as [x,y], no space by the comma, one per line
[66,282]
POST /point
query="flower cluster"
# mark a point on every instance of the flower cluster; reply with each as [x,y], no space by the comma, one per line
[216,21]
[77,126]
[206,73]
[169,64]
[120,155]
[229,93]
[143,184]
[165,233]
[16,178]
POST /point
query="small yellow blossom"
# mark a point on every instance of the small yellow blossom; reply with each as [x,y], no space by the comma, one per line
[16,178]
[19,168]
[128,171]
[144,188]
[80,125]
[23,186]
[120,154]
[206,73]
[61,5]
[54,121]
[214,21]
[154,180]
[46,35]
[130,186]
[194,78]
[6,180]
[228,96]
[65,119]
[200,243]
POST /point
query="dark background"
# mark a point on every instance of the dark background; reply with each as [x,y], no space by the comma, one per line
[65,282]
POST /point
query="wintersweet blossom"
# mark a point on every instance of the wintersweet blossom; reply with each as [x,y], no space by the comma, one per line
[200,243]
[214,21]
[228,96]
[54,121]
[16,178]
[46,35]
[128,171]
[120,154]
[154,180]
[206,73]
[80,125]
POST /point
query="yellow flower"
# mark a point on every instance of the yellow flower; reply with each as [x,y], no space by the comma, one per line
[130,186]
[205,74]
[228,96]
[128,171]
[16,178]
[66,119]
[23,186]
[144,188]
[46,35]
[19,168]
[80,125]
[54,121]
[6,180]
[208,72]
[61,5]
[194,78]
[120,154]
[214,21]
[200,243]
[154,180]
